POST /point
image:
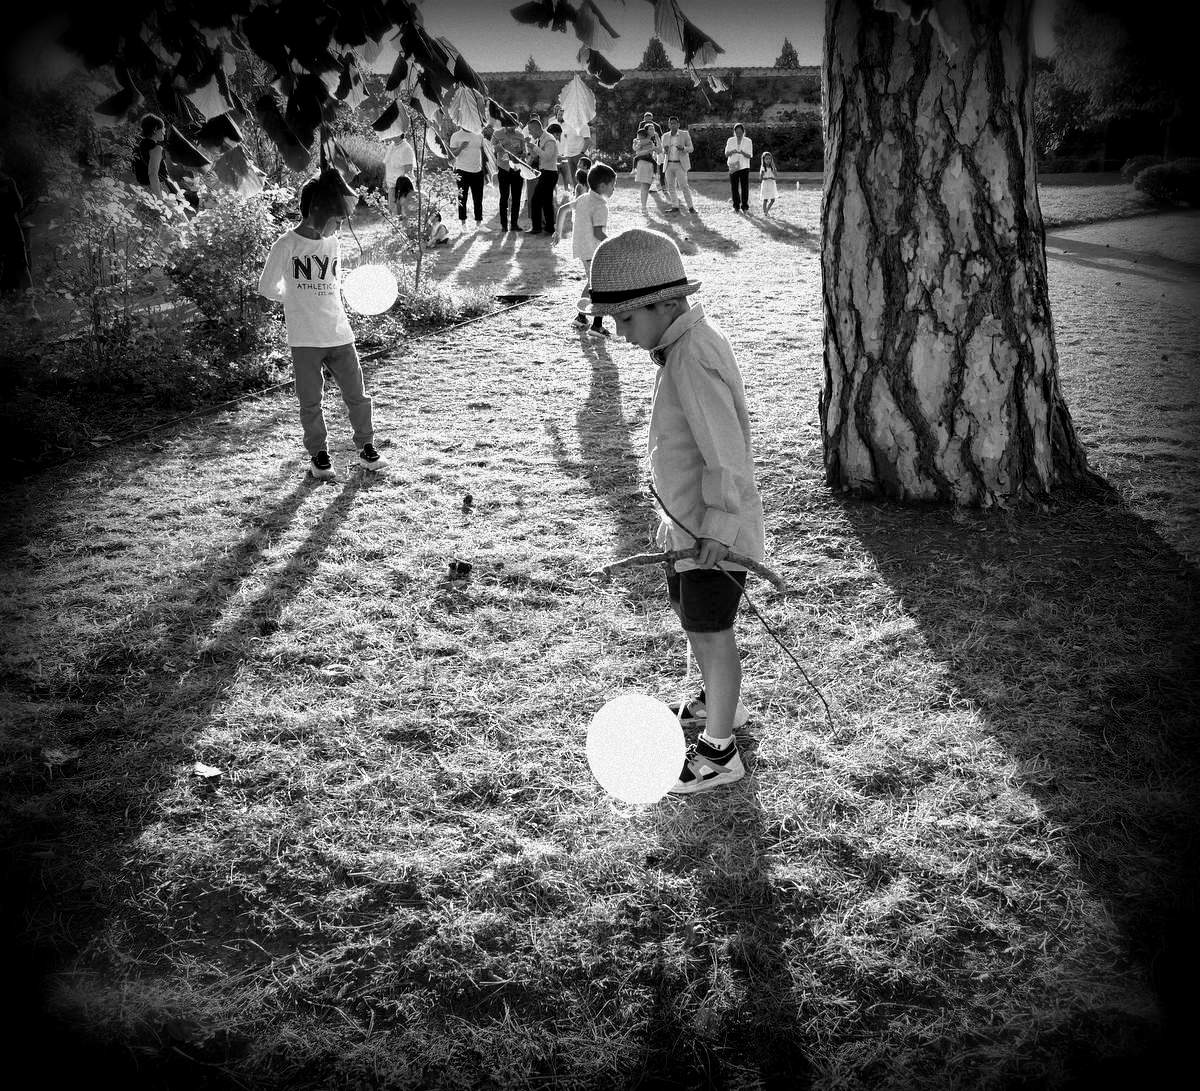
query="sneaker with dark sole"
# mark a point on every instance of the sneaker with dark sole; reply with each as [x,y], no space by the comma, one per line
[706,768]
[371,459]
[321,467]
[693,713]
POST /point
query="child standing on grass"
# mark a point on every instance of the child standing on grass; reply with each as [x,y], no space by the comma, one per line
[767,189]
[702,469]
[588,232]
[301,271]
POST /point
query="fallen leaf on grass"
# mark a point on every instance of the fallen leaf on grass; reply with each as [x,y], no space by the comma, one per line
[57,755]
[206,772]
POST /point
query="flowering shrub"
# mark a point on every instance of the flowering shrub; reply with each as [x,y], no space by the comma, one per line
[218,257]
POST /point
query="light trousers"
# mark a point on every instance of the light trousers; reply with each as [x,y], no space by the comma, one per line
[677,176]
[343,364]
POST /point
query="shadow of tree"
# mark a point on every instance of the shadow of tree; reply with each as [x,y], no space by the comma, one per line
[607,462]
[693,235]
[144,674]
[706,1032]
[1076,632]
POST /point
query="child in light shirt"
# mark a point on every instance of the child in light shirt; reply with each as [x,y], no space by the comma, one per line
[702,469]
[302,272]
[590,211]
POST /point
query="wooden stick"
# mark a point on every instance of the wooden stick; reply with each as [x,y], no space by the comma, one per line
[677,554]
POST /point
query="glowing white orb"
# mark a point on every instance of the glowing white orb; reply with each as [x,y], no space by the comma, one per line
[370,289]
[635,748]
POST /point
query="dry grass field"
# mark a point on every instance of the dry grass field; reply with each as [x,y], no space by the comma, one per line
[980,875]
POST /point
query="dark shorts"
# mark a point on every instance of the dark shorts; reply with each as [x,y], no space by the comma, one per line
[707,598]
[404,187]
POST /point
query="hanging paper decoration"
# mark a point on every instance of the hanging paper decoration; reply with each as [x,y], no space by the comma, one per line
[433,142]
[381,56]
[114,109]
[236,170]
[499,114]
[698,47]
[465,110]
[295,154]
[397,74]
[607,75]
[210,100]
[184,153]
[387,119]
[219,134]
[717,83]
[540,13]
[350,89]
[592,29]
[667,23]
[262,29]
[467,76]
[578,103]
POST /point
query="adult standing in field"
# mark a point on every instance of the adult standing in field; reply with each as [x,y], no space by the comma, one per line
[644,148]
[739,149]
[399,165]
[541,202]
[509,142]
[657,133]
[467,149]
[577,142]
[677,151]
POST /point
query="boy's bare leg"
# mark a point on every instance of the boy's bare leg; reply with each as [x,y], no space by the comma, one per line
[721,668]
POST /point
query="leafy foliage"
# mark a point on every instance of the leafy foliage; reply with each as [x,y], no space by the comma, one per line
[1058,110]
[1133,167]
[655,58]
[531,65]
[788,57]
[218,257]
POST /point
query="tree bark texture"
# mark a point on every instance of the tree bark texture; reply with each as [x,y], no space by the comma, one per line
[941,373]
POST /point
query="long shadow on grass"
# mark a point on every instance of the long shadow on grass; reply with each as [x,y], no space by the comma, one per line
[692,235]
[134,712]
[1077,634]
[785,232]
[730,1007]
[607,460]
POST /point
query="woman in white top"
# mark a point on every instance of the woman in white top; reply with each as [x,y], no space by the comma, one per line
[645,166]
[738,150]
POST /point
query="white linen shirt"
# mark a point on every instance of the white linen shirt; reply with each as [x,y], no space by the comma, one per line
[742,151]
[303,274]
[699,444]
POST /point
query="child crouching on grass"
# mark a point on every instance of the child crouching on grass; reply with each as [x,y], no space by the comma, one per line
[301,271]
[702,468]
[590,211]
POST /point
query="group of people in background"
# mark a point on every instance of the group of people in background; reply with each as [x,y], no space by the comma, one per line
[530,160]
[543,161]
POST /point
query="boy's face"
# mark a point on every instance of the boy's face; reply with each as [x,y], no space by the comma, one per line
[605,189]
[645,326]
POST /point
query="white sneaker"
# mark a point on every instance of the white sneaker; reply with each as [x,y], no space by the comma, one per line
[371,459]
[320,466]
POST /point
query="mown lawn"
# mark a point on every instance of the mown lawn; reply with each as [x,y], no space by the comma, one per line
[982,875]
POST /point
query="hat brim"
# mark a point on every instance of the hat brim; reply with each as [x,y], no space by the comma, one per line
[646,300]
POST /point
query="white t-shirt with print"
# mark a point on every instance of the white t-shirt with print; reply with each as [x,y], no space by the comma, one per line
[303,274]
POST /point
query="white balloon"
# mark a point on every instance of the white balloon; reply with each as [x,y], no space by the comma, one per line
[370,289]
[635,748]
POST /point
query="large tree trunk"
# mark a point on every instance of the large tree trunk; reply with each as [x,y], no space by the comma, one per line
[941,375]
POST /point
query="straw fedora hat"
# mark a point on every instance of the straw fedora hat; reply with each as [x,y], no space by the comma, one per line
[634,269]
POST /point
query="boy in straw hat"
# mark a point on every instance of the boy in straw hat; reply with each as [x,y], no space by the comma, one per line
[703,474]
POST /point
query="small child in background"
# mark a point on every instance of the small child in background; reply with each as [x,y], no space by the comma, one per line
[702,468]
[438,234]
[301,272]
[566,218]
[767,188]
[581,173]
[591,219]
